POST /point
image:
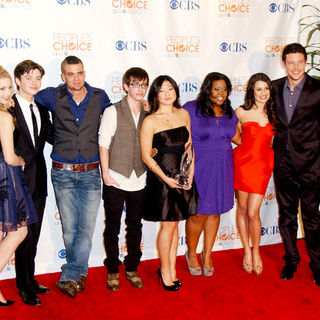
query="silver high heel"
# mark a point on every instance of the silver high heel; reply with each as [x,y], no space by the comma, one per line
[193,271]
[207,272]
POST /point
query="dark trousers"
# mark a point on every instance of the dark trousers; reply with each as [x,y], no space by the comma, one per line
[27,250]
[114,200]
[291,187]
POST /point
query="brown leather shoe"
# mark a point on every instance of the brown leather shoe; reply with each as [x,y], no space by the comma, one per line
[113,281]
[81,282]
[134,279]
[68,287]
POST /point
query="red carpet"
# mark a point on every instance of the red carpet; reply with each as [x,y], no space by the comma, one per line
[229,294]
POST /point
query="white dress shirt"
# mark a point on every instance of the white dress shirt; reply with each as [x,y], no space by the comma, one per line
[107,130]
[25,108]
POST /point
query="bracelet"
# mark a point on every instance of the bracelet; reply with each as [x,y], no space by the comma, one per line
[151,168]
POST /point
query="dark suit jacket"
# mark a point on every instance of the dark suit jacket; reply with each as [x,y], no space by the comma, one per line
[35,171]
[302,133]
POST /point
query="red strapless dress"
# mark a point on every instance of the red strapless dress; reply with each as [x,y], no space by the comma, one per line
[253,159]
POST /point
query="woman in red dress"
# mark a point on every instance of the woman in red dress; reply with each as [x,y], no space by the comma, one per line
[253,165]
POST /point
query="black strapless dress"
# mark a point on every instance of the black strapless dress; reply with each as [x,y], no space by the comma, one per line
[162,202]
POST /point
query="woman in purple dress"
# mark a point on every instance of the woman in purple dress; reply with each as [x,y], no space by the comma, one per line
[213,127]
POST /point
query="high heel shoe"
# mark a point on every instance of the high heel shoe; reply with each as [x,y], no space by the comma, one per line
[257,267]
[207,272]
[165,287]
[7,304]
[178,283]
[257,270]
[247,267]
[193,271]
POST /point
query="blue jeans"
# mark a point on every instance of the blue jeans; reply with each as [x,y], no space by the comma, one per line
[78,197]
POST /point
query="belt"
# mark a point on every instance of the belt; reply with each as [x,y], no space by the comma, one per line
[75,167]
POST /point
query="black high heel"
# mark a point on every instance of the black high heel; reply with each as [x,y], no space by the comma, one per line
[178,283]
[7,304]
[165,287]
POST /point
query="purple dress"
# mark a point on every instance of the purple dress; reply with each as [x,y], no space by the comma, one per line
[213,174]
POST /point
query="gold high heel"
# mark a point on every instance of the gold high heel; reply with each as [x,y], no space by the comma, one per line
[257,269]
[257,265]
[247,267]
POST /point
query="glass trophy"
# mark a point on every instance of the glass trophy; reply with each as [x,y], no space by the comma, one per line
[185,166]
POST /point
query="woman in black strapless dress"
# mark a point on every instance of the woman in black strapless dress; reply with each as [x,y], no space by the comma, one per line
[167,130]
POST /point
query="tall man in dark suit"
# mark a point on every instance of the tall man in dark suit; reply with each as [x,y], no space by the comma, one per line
[32,129]
[297,159]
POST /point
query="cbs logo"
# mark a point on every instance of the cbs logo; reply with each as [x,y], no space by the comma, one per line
[281,8]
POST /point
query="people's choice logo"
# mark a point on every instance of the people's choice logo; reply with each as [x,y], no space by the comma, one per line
[274,45]
[113,86]
[130,6]
[270,195]
[229,8]
[239,84]
[182,45]
[72,43]
[12,4]
[227,233]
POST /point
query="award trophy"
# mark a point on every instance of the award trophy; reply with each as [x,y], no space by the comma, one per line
[185,165]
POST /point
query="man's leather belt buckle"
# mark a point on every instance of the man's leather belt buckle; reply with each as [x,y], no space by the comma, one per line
[75,167]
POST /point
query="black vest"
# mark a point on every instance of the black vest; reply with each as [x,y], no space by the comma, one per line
[70,140]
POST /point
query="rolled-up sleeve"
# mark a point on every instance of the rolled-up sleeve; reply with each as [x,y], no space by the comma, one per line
[47,98]
[108,127]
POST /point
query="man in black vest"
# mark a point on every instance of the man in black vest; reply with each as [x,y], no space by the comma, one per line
[32,129]
[297,159]
[76,108]
[124,176]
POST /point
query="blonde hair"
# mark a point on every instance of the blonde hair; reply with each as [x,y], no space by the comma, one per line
[4,74]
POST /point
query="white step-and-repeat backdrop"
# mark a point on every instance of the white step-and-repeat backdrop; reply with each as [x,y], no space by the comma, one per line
[183,38]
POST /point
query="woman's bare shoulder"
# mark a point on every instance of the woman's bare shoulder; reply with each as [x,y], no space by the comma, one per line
[183,113]
[149,122]
[149,119]
[239,110]
[5,116]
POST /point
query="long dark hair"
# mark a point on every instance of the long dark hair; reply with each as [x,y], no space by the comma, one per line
[249,96]
[154,91]
[204,104]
